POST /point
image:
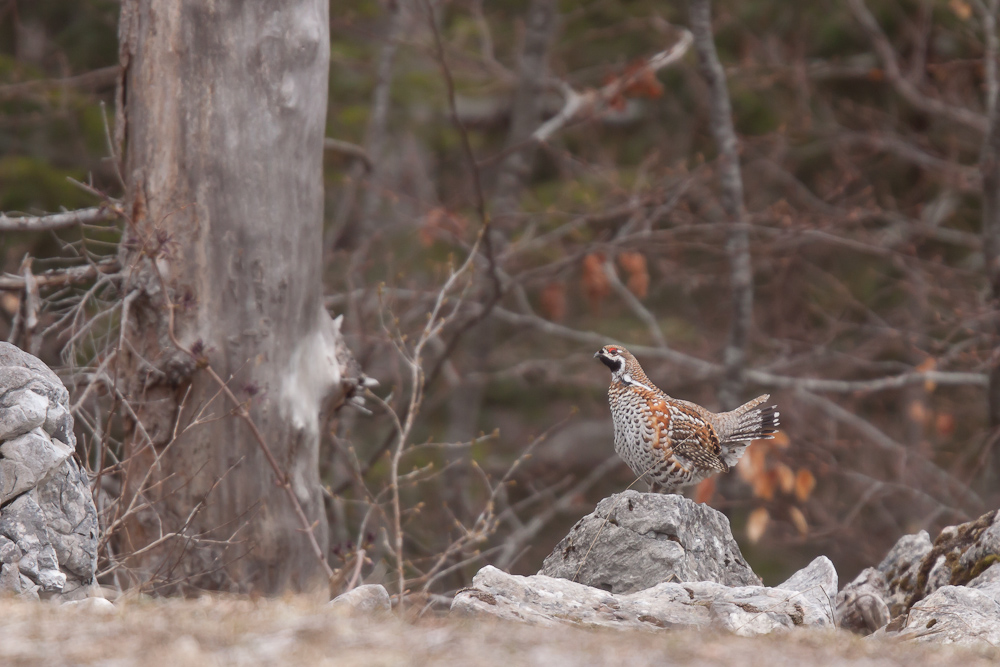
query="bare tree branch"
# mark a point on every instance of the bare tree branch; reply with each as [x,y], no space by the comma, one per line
[904,86]
[347,148]
[62,277]
[594,102]
[44,223]
[958,491]
[542,20]
[763,378]
[988,14]
[731,182]
[965,178]
[104,77]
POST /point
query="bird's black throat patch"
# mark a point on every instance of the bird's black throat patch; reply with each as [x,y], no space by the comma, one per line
[614,364]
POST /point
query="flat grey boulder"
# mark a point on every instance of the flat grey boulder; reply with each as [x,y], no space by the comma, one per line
[744,610]
[48,521]
[634,541]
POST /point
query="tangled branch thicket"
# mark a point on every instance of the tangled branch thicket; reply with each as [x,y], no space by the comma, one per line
[511,189]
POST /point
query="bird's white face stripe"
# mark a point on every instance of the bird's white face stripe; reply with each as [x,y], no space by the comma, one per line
[627,379]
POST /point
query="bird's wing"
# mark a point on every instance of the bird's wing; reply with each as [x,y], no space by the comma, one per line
[690,436]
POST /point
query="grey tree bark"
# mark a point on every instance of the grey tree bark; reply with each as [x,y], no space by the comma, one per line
[731,182]
[225,107]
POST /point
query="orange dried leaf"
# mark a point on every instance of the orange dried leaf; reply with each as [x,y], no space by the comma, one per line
[753,462]
[553,301]
[799,519]
[439,222]
[804,484]
[927,365]
[781,440]
[945,424]
[961,8]
[917,411]
[642,81]
[704,491]
[757,524]
[595,282]
[10,302]
[634,264]
[786,478]
[763,485]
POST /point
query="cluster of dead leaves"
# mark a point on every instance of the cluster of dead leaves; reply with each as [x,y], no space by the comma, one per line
[634,264]
[642,82]
[553,301]
[595,283]
[440,223]
[768,477]
[917,410]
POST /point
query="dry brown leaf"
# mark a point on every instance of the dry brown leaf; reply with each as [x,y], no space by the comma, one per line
[757,524]
[753,462]
[917,411]
[10,302]
[440,222]
[634,264]
[595,281]
[704,491]
[644,82]
[805,482]
[961,8]
[553,301]
[781,440]
[763,485]
[786,478]
[799,519]
[927,365]
[945,424]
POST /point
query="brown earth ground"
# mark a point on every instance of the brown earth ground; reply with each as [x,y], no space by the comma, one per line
[296,631]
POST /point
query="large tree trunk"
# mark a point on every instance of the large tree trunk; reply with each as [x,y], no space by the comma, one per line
[225,106]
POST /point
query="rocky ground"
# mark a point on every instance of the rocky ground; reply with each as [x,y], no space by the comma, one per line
[296,631]
[644,579]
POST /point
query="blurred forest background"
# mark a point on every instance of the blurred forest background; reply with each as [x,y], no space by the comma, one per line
[866,147]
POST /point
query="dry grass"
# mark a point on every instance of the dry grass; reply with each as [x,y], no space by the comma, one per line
[298,631]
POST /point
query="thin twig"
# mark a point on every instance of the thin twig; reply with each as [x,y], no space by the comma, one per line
[906,88]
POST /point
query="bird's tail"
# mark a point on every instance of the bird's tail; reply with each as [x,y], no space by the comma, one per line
[745,423]
[749,422]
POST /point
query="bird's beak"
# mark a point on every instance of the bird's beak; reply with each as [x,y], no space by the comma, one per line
[597,354]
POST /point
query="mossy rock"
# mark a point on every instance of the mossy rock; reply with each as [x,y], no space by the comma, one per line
[952,544]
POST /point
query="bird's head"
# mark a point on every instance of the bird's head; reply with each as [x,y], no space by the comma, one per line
[614,357]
